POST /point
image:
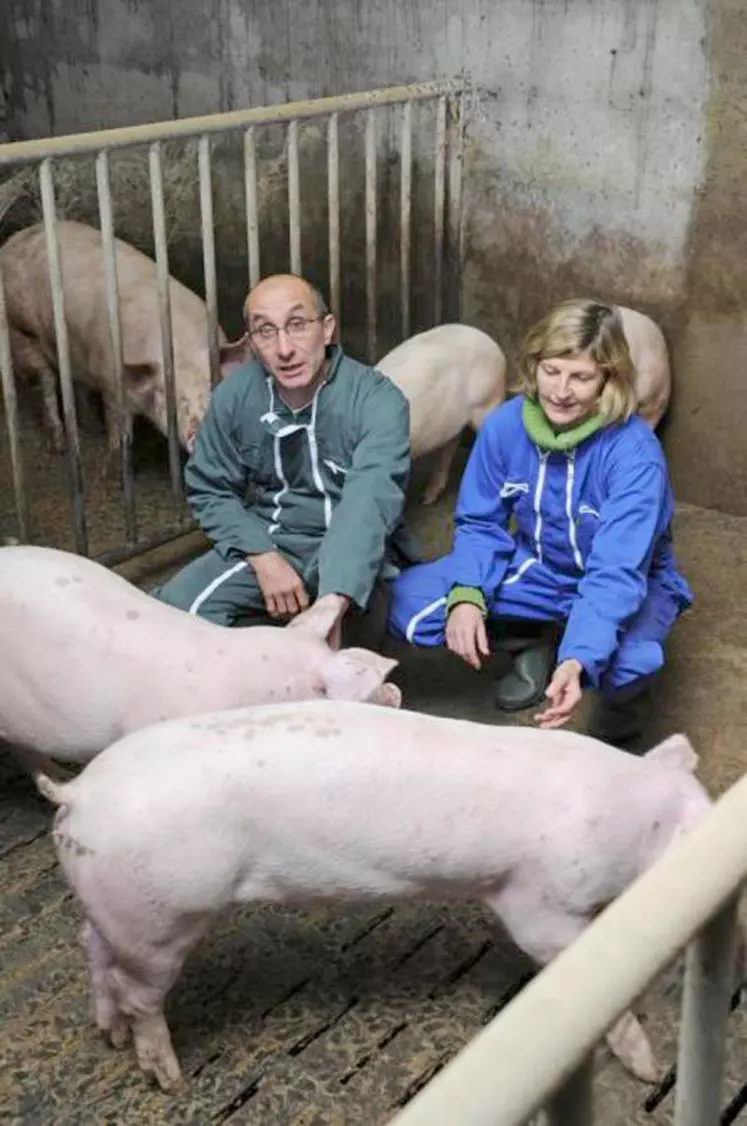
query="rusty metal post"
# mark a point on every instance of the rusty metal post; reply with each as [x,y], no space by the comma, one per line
[208,256]
[10,399]
[164,310]
[252,222]
[333,200]
[115,343]
[405,215]
[54,263]
[371,210]
[294,199]
[439,198]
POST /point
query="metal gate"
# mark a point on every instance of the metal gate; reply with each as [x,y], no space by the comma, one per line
[446,100]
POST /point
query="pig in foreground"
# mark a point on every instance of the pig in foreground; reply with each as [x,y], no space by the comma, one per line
[320,800]
[453,375]
[87,657]
[650,357]
[23,261]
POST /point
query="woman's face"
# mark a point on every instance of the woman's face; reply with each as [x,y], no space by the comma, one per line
[568,389]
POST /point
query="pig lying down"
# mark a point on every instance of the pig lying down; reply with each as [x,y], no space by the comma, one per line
[23,261]
[87,657]
[331,801]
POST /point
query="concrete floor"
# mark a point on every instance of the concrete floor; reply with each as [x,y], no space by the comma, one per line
[333,1018]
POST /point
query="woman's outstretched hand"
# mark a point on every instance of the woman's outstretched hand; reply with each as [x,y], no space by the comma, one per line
[564,692]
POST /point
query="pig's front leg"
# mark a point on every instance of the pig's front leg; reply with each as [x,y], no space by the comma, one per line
[440,475]
[542,928]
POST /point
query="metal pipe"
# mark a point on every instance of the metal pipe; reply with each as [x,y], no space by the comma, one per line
[294,199]
[114,325]
[572,1104]
[456,209]
[405,215]
[10,399]
[208,256]
[508,1071]
[24,152]
[164,311]
[63,358]
[333,199]
[709,982]
[439,198]
[252,221]
[371,234]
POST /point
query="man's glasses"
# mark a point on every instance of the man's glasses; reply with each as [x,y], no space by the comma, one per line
[295,328]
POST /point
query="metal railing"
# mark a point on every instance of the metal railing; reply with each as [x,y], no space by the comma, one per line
[447,242]
[537,1053]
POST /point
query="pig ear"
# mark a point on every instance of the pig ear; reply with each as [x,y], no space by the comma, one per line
[676,751]
[141,379]
[235,354]
[318,619]
[355,674]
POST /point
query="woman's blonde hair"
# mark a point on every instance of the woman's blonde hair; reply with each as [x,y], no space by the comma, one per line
[584,326]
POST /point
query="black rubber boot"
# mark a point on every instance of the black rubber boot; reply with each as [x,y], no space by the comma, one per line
[534,647]
[620,718]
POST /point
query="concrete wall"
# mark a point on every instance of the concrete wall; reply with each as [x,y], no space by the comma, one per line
[605,150]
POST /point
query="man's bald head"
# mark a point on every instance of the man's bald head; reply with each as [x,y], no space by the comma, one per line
[284,289]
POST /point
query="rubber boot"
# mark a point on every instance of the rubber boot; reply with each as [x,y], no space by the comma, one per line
[620,718]
[534,647]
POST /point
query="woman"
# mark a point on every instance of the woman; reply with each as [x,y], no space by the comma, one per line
[586,482]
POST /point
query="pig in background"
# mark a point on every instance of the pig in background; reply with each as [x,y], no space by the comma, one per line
[329,801]
[88,657]
[28,296]
[454,375]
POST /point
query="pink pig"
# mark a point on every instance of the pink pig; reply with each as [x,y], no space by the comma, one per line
[88,657]
[289,803]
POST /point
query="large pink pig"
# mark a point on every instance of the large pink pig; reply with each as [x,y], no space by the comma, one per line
[334,801]
[23,261]
[88,657]
[453,375]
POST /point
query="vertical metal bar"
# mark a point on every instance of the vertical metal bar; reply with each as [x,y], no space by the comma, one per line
[333,198]
[709,981]
[572,1104]
[371,234]
[208,256]
[252,222]
[456,208]
[405,215]
[115,343]
[63,357]
[439,196]
[164,310]
[10,399]
[294,199]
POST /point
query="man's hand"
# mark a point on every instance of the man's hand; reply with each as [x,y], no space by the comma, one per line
[282,588]
[564,692]
[466,634]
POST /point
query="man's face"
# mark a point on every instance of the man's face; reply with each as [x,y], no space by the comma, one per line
[287,332]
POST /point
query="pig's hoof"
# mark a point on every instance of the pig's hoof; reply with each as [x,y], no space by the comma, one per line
[170,1082]
[119,1032]
[630,1044]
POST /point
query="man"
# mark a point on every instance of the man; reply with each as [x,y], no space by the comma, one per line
[321,445]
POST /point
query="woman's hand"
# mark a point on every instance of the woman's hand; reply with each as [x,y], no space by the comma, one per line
[564,692]
[466,634]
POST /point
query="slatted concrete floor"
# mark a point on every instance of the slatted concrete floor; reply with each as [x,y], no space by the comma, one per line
[326,1017]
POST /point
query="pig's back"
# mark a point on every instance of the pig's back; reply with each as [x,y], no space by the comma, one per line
[267,788]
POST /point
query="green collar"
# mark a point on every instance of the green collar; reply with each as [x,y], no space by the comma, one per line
[542,434]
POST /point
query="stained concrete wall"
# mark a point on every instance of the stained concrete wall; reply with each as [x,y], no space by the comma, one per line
[604,153]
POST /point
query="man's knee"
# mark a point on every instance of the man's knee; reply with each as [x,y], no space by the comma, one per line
[634,662]
[212,589]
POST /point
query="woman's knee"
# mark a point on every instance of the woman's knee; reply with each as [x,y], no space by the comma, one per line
[417,611]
